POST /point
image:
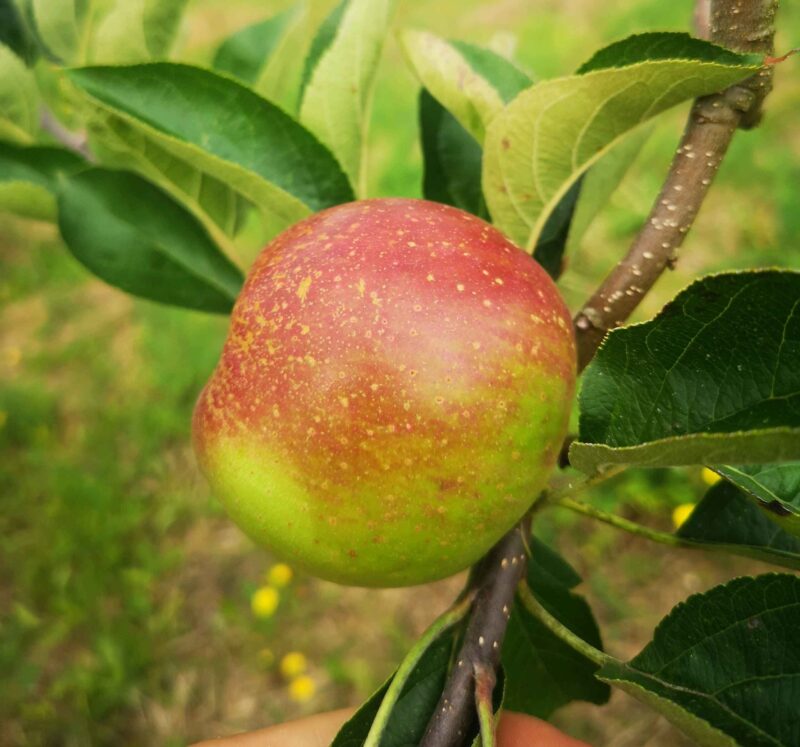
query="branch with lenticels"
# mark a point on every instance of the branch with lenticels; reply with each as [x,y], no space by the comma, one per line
[742,25]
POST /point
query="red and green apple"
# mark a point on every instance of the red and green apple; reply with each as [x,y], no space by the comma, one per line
[392,395]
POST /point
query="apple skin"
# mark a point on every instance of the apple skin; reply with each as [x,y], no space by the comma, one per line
[392,395]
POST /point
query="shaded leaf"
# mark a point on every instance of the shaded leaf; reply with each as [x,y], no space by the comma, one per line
[245,53]
[226,130]
[14,32]
[724,666]
[414,707]
[121,145]
[727,518]
[686,388]
[451,159]
[776,487]
[29,178]
[542,672]
[336,100]
[19,99]
[137,31]
[551,133]
[549,250]
[137,238]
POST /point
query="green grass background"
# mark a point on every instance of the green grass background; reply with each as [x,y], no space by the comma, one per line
[124,591]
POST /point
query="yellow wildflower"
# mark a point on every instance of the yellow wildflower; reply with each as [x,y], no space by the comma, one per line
[293,664]
[302,689]
[279,575]
[682,513]
[265,601]
[709,476]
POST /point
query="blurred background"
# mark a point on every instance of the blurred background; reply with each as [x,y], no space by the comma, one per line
[132,612]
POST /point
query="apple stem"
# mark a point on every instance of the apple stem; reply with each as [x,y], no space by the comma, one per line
[743,25]
[495,581]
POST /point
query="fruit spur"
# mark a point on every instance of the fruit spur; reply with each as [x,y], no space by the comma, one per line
[392,395]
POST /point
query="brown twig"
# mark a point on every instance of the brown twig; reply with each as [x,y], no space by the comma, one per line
[743,25]
[496,579]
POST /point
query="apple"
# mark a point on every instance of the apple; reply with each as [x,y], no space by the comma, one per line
[392,395]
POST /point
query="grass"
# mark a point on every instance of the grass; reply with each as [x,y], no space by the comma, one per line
[124,591]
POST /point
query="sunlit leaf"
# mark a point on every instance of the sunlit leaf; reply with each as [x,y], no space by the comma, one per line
[336,100]
[552,132]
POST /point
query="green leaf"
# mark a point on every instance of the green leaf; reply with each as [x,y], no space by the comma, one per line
[506,78]
[776,487]
[136,237]
[542,672]
[451,158]
[336,101]
[280,80]
[323,39]
[19,99]
[725,517]
[414,707]
[14,32]
[121,145]
[600,182]
[29,177]
[137,31]
[724,666]
[473,84]
[661,45]
[60,26]
[539,145]
[232,134]
[245,53]
[687,388]
[549,251]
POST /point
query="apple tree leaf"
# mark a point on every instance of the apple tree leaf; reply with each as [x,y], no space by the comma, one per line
[727,519]
[15,34]
[542,672]
[60,26]
[551,133]
[686,388]
[225,130]
[29,178]
[413,708]
[19,99]
[336,99]
[245,53]
[472,83]
[724,665]
[134,236]
[119,144]
[774,487]
[137,31]
[451,159]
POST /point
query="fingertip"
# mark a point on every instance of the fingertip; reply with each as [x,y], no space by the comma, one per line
[518,730]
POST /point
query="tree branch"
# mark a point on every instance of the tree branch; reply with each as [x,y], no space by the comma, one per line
[495,578]
[743,25]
